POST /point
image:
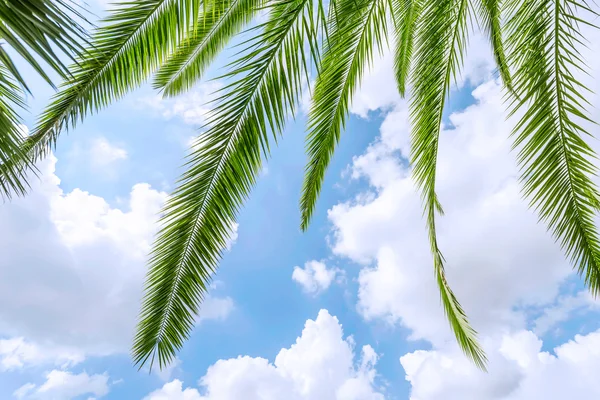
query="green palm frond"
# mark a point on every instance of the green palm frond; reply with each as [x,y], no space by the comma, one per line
[217,25]
[405,14]
[355,29]
[555,160]
[35,28]
[129,46]
[38,31]
[489,13]
[267,84]
[11,98]
[441,40]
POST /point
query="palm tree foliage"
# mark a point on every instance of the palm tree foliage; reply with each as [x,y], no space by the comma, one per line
[535,45]
[35,30]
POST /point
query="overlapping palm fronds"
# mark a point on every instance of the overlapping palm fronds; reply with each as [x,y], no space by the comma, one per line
[40,32]
[535,45]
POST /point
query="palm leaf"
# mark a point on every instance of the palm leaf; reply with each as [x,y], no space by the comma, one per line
[197,219]
[405,14]
[216,27]
[555,160]
[489,16]
[355,28]
[441,40]
[11,98]
[37,30]
[34,28]
[129,46]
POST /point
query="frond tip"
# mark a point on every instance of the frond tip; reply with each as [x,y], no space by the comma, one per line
[441,38]
[358,27]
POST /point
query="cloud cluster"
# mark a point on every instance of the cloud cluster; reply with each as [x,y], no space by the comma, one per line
[320,365]
[72,271]
[63,385]
[315,277]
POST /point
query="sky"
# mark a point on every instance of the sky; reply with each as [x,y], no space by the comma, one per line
[348,310]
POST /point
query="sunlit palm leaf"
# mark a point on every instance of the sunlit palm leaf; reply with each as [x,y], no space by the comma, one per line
[38,31]
[405,14]
[220,175]
[355,29]
[223,20]
[441,38]
[11,98]
[489,17]
[35,28]
[129,46]
[555,160]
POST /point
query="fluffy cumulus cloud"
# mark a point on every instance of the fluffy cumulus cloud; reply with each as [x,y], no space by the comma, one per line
[519,370]
[320,365]
[81,266]
[315,277]
[501,262]
[63,385]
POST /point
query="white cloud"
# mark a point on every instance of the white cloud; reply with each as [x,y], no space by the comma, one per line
[320,365]
[519,371]
[64,385]
[174,391]
[563,309]
[315,277]
[17,353]
[192,107]
[82,264]
[103,153]
[375,90]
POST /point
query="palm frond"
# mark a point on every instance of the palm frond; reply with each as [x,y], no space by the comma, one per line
[34,28]
[404,14]
[441,40]
[38,31]
[217,25]
[267,83]
[489,14]
[355,29]
[555,160]
[129,46]
[11,137]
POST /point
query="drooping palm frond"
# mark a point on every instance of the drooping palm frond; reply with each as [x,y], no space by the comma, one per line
[129,46]
[217,25]
[37,31]
[11,137]
[489,16]
[405,14]
[441,40]
[32,27]
[357,27]
[221,172]
[555,160]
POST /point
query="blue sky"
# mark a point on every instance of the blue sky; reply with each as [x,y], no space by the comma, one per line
[348,310]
